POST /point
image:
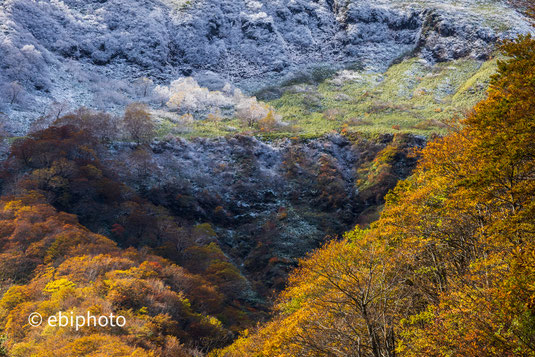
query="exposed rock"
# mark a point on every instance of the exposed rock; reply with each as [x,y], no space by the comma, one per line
[269,200]
[87,52]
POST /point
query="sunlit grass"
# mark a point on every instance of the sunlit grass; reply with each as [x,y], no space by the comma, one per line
[411,97]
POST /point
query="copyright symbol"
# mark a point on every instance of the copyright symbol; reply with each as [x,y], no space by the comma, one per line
[35,319]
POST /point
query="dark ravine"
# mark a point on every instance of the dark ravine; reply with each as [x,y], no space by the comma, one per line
[271,203]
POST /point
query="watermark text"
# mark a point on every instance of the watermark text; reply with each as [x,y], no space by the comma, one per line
[70,320]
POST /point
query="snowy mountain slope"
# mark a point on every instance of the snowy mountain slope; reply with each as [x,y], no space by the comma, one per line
[90,52]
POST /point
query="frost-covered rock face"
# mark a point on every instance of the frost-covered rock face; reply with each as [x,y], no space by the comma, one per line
[89,52]
[266,199]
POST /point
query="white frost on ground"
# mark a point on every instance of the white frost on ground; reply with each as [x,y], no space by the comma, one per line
[93,52]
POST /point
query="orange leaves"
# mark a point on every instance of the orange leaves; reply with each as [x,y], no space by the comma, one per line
[81,271]
[485,172]
[342,299]
[96,346]
[449,268]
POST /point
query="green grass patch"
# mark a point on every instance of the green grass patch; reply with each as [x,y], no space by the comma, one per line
[411,97]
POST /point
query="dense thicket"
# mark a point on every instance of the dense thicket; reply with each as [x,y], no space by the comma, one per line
[67,268]
[49,262]
[449,268]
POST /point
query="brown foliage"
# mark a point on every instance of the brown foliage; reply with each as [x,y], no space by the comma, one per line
[138,123]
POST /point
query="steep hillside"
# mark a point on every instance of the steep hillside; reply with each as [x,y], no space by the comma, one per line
[264,204]
[195,237]
[285,178]
[92,52]
[271,203]
[448,269]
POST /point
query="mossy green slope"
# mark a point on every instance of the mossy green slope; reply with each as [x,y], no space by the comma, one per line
[410,97]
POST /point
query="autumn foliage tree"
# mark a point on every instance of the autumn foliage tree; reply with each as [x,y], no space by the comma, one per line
[448,270]
[138,123]
[62,266]
[197,305]
[100,125]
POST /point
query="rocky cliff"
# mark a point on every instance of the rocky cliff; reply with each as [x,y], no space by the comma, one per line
[90,52]
[269,202]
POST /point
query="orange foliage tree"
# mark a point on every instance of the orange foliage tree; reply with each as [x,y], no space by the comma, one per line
[448,270]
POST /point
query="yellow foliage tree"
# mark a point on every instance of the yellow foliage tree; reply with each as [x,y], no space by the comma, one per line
[448,270]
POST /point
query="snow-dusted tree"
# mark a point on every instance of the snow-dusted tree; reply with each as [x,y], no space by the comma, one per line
[138,123]
[160,95]
[188,96]
[185,95]
[110,93]
[143,86]
[14,92]
[250,111]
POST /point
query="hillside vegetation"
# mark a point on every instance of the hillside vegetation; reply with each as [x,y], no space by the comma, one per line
[102,54]
[188,240]
[212,219]
[413,96]
[448,269]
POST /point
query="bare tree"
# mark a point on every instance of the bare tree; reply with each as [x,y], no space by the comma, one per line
[51,114]
[143,85]
[57,109]
[14,90]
